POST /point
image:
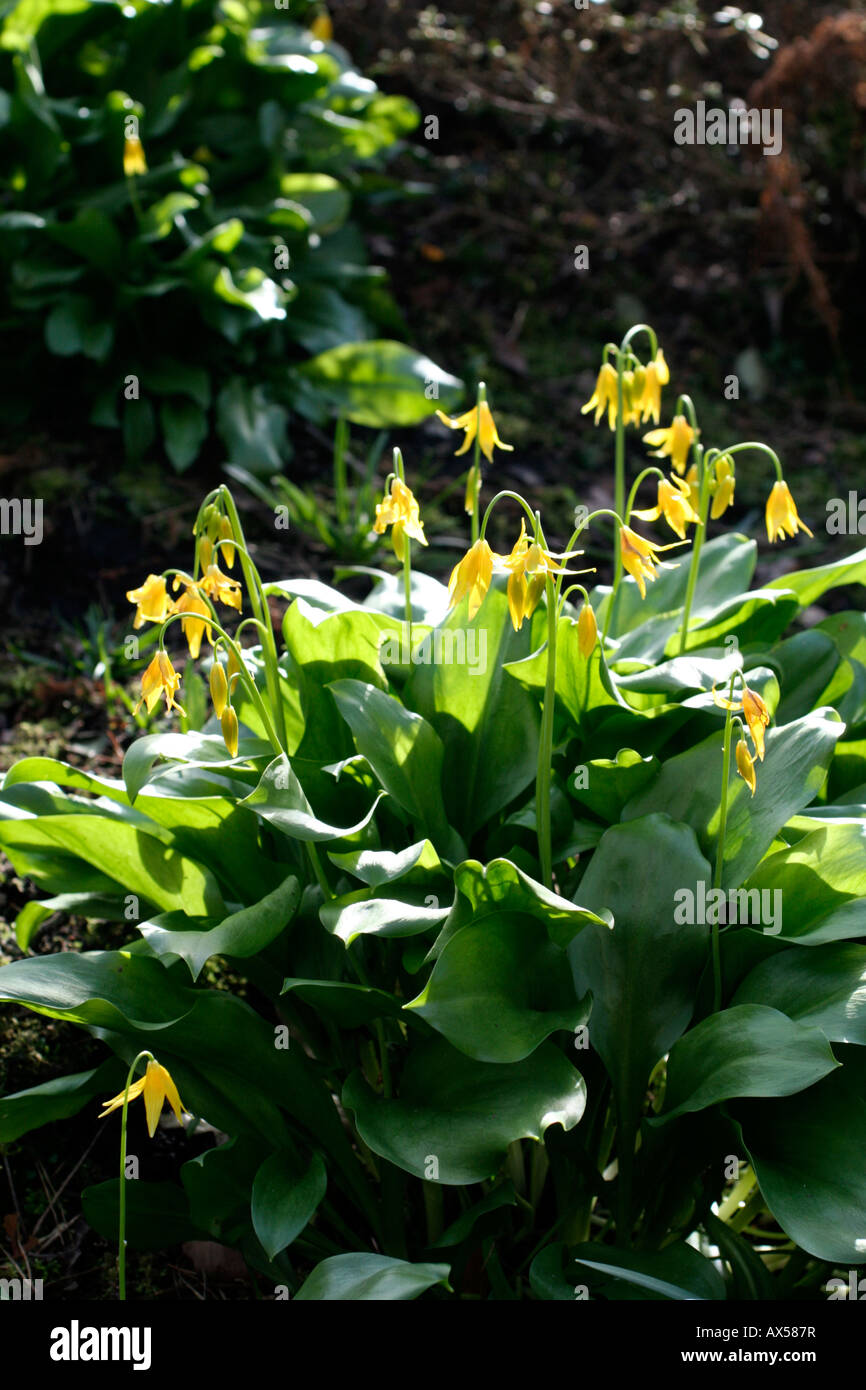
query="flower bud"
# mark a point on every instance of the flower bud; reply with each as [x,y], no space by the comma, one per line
[587,630]
[219,690]
[229,725]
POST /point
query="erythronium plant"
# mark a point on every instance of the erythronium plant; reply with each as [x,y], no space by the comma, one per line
[510,933]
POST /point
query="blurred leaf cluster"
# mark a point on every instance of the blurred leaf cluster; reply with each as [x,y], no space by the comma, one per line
[182,300]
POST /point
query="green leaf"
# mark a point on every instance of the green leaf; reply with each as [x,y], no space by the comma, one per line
[279,799]
[677,1272]
[157,1213]
[381,384]
[807,1153]
[585,689]
[463,1113]
[499,988]
[822,880]
[643,972]
[689,789]
[365,1277]
[285,1199]
[416,864]
[97,989]
[376,912]
[746,1050]
[185,428]
[403,750]
[325,199]
[348,1005]
[55,1100]
[824,987]
[809,585]
[487,722]
[243,934]
[253,428]
[611,783]
[72,328]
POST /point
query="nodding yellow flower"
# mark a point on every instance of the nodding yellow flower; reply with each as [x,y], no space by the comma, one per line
[782,517]
[746,766]
[157,1087]
[196,621]
[227,535]
[153,604]
[479,420]
[604,396]
[723,487]
[400,510]
[160,678]
[219,689]
[656,375]
[322,28]
[229,726]
[472,576]
[694,487]
[640,556]
[754,711]
[134,161]
[632,394]
[528,564]
[673,443]
[674,504]
[221,586]
[757,716]
[587,630]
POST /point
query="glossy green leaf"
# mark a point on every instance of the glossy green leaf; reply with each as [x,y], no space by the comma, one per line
[381,384]
[55,1100]
[746,1050]
[822,883]
[280,800]
[242,934]
[364,1278]
[824,987]
[284,1199]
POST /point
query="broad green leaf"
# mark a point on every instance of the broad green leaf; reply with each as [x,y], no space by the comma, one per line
[284,1199]
[243,934]
[97,989]
[807,1153]
[381,384]
[643,972]
[488,723]
[486,891]
[809,585]
[688,789]
[54,1100]
[677,1272]
[585,688]
[415,864]
[157,1213]
[280,800]
[605,785]
[461,1229]
[197,750]
[347,1004]
[499,988]
[824,987]
[403,750]
[746,1050]
[365,1277]
[464,1114]
[822,883]
[375,912]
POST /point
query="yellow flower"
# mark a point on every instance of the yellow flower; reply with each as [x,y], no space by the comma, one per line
[399,509]
[694,487]
[587,630]
[755,713]
[479,420]
[472,576]
[673,443]
[229,726]
[723,494]
[160,678]
[640,557]
[674,503]
[746,766]
[782,518]
[134,161]
[604,396]
[153,604]
[471,489]
[227,535]
[196,622]
[157,1087]
[656,376]
[322,28]
[757,716]
[220,586]
[219,690]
